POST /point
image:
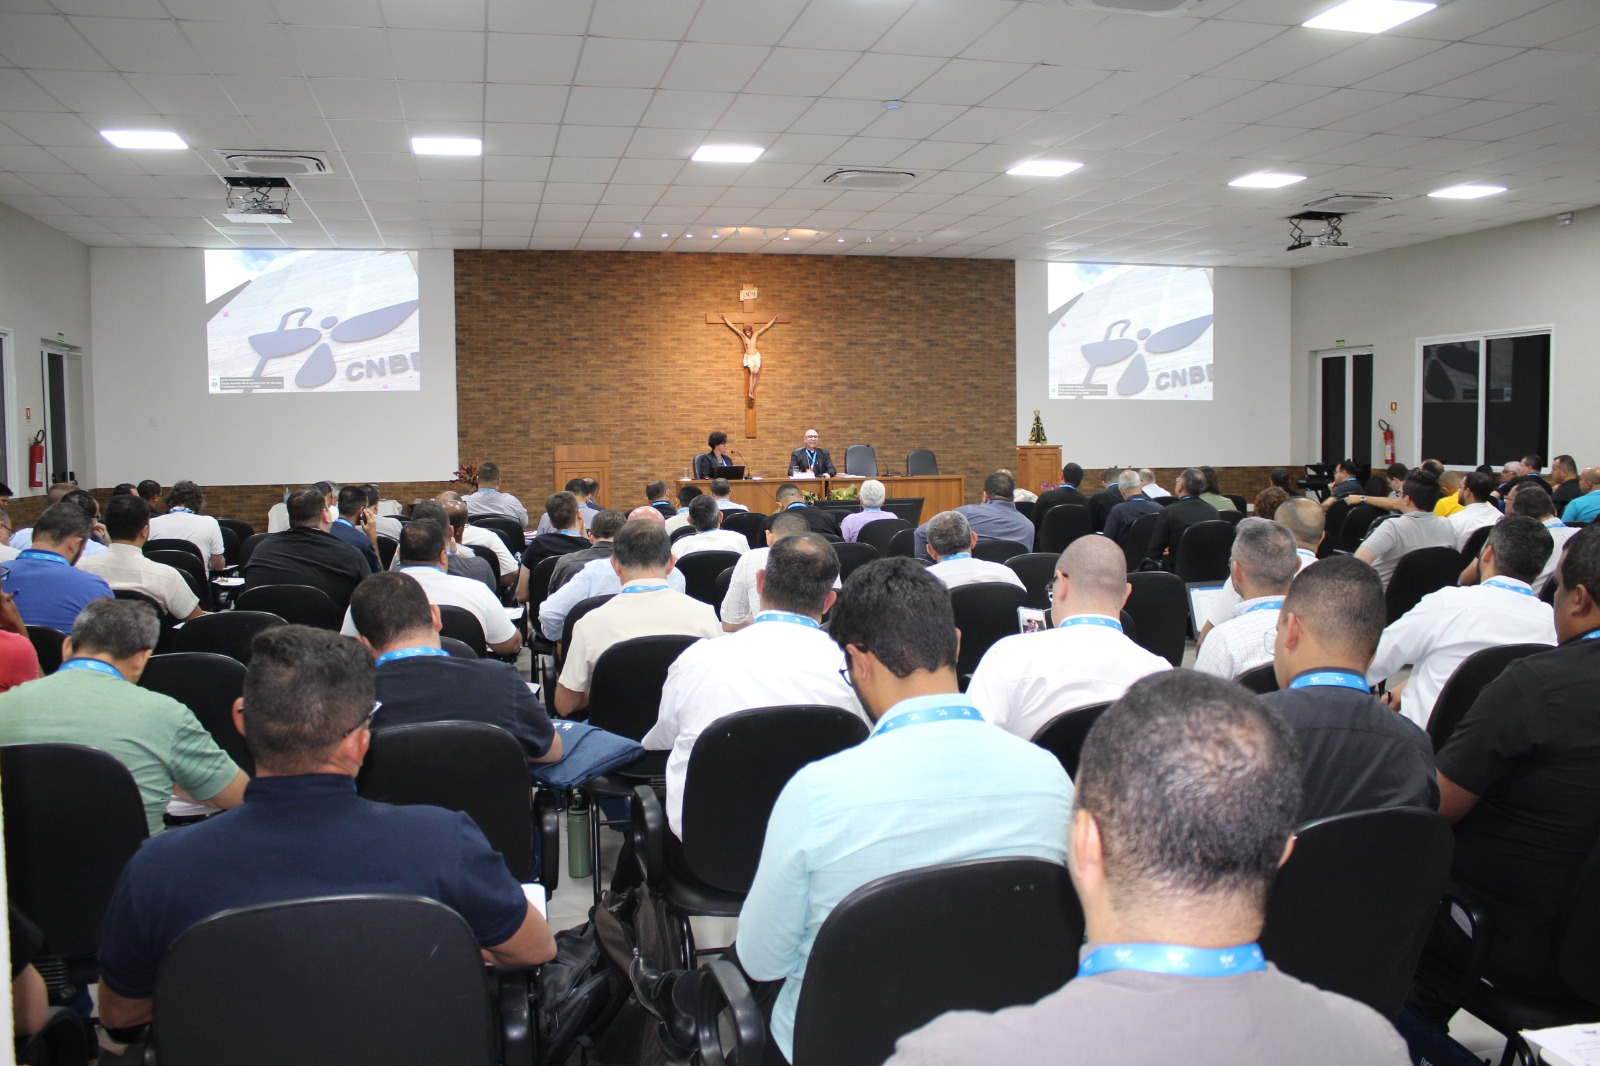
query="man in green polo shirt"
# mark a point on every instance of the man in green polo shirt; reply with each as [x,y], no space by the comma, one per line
[94,700]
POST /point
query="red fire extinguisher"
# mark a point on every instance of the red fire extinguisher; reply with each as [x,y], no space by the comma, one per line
[1388,441]
[36,461]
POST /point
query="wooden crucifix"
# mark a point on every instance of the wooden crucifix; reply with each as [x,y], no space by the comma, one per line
[748,325]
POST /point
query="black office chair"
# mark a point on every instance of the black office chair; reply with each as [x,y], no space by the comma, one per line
[1159,606]
[230,546]
[472,767]
[751,524]
[175,544]
[1261,680]
[458,649]
[73,819]
[1025,509]
[737,768]
[860,460]
[47,644]
[920,462]
[1063,735]
[164,641]
[301,605]
[681,532]
[487,554]
[880,533]
[852,555]
[207,684]
[1419,572]
[241,529]
[1241,505]
[509,530]
[998,551]
[1063,524]
[387,549]
[985,613]
[228,633]
[1466,681]
[193,570]
[700,570]
[1333,522]
[462,624]
[719,589]
[1233,518]
[903,543]
[332,981]
[1474,544]
[1203,552]
[574,616]
[889,959]
[1358,520]
[1038,572]
[1135,542]
[905,508]
[63,1040]
[247,548]
[1351,909]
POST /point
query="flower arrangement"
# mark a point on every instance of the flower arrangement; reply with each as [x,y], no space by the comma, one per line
[845,492]
[466,474]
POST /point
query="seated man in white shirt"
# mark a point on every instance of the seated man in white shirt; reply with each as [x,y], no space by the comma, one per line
[1477,493]
[1305,522]
[763,665]
[476,535]
[597,577]
[1530,501]
[124,567]
[1025,680]
[646,606]
[950,542]
[706,519]
[1447,626]
[422,555]
[183,521]
[1151,487]
[743,601]
[1263,565]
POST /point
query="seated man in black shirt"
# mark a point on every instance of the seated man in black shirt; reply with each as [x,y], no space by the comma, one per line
[307,554]
[570,534]
[1175,519]
[1520,778]
[357,526]
[1356,754]
[418,681]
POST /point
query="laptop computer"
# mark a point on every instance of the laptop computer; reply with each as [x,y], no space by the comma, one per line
[732,473]
[1202,594]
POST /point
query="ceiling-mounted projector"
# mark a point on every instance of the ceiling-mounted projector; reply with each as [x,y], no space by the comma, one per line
[1330,237]
[257,200]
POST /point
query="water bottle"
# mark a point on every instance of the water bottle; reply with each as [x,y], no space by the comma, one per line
[578,864]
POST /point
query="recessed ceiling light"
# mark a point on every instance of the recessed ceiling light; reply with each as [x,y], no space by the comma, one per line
[727,153]
[163,139]
[636,233]
[1266,179]
[1369,16]
[1043,168]
[1466,192]
[446,146]
[663,236]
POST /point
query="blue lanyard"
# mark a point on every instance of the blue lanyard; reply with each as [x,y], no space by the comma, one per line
[1270,605]
[1331,678]
[1496,583]
[1593,634]
[1091,620]
[792,506]
[788,616]
[410,653]
[637,587]
[44,557]
[811,458]
[1175,959]
[345,521]
[92,664]
[929,716]
[1305,554]
[957,555]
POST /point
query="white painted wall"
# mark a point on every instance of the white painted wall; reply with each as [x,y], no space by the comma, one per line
[1512,277]
[1245,424]
[156,419]
[44,290]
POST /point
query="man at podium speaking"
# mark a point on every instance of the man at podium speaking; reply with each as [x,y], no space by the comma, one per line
[810,459]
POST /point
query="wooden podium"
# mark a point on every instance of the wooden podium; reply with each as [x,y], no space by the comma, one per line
[1037,464]
[584,460]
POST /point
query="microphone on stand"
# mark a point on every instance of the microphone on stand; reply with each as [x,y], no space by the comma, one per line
[740,456]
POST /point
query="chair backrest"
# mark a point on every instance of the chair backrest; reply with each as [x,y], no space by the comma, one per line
[1063,735]
[207,684]
[998,550]
[1038,572]
[301,605]
[751,524]
[247,547]
[891,957]
[1063,524]
[1333,522]
[242,529]
[192,569]
[1348,534]
[73,820]
[1025,509]
[507,529]
[1159,604]
[387,548]
[1233,518]
[1466,681]
[1136,539]
[681,532]
[574,616]
[1352,906]
[719,590]
[905,508]
[853,554]
[1417,574]
[738,766]
[625,688]
[1204,551]
[985,613]
[902,542]
[175,544]
[228,633]
[326,982]
[487,554]
[230,545]
[880,533]
[1238,502]
[861,460]
[472,767]
[47,646]
[1474,544]
[462,624]
[1261,680]
[920,462]
[700,570]
[458,649]
[539,583]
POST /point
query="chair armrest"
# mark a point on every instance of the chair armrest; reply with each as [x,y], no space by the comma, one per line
[1479,932]
[648,833]
[727,990]
[547,823]
[513,988]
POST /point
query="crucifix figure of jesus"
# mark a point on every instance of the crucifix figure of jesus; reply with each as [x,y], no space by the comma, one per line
[749,326]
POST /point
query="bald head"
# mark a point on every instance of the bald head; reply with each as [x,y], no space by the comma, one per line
[647,513]
[1303,519]
[447,497]
[1096,578]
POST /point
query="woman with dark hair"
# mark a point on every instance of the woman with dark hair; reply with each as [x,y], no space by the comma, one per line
[1279,477]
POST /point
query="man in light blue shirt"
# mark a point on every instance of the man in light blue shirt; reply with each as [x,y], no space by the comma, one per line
[1582,509]
[597,578]
[906,797]
[996,518]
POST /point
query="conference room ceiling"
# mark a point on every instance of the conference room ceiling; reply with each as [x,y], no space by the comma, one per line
[589,109]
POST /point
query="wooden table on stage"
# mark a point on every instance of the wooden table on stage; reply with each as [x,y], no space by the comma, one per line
[939,492]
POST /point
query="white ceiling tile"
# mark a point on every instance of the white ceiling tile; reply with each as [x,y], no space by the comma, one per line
[20,93]
[370,167]
[516,168]
[200,131]
[568,18]
[583,169]
[838,117]
[426,101]
[433,55]
[646,171]
[1208,44]
[592,141]
[1033,33]
[300,134]
[885,77]
[870,152]
[142,45]
[1044,87]
[47,42]
[913,120]
[128,185]
[73,185]
[713,68]
[1505,78]
[636,197]
[92,91]
[565,212]
[1193,97]
[673,109]
[341,51]
[1120,131]
[803,148]
[351,98]
[1121,91]
[1330,108]
[526,103]
[55,129]
[1370,57]
[1193,135]
[364,136]
[983,124]
[96,160]
[663,20]
[943,27]
[1389,117]
[518,139]
[613,107]
[800,71]
[1545,26]
[533,59]
[342,13]
[1436,68]
[966,81]
[431,15]
[1368,147]
[569,193]
[844,24]
[641,64]
[1466,116]
[512,192]
[676,145]
[740,22]
[272,97]
[230,49]
[462,190]
[769,113]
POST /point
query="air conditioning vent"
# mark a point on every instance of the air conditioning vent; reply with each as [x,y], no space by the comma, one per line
[858,178]
[1135,7]
[277,164]
[1345,202]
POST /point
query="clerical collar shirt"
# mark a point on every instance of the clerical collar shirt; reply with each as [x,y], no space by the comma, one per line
[1244,641]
